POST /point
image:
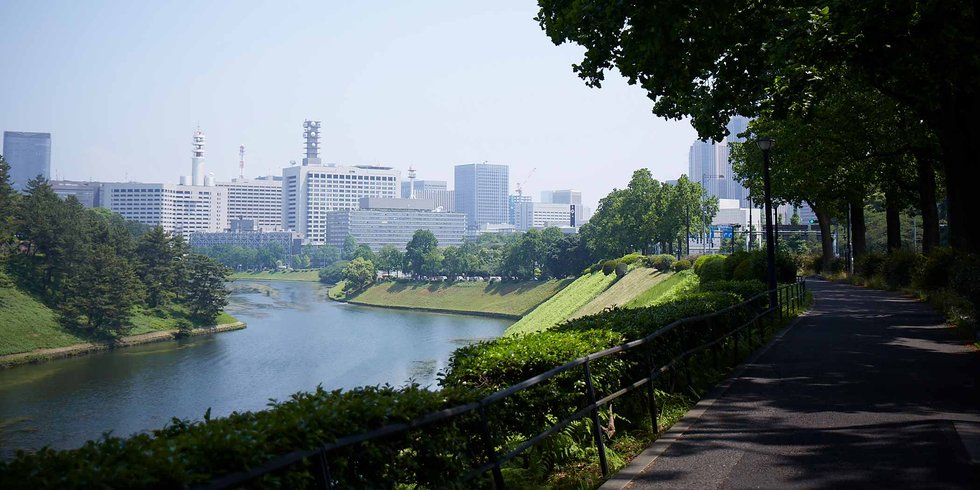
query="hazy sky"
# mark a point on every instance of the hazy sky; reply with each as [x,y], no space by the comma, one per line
[122,85]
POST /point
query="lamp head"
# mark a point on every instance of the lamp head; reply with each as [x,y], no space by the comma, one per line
[765,143]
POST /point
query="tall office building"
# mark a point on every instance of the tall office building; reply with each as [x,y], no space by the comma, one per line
[481,193]
[381,222]
[311,190]
[710,165]
[29,155]
[255,199]
[513,201]
[542,215]
[421,186]
[179,209]
[87,193]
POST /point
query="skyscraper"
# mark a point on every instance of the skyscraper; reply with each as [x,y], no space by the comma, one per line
[29,155]
[481,193]
[710,165]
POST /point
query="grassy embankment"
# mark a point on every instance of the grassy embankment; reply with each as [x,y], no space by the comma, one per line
[297,275]
[623,291]
[591,293]
[28,325]
[562,305]
[502,299]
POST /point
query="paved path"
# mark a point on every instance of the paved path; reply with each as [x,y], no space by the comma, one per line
[867,390]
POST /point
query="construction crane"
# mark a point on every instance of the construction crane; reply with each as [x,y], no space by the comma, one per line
[519,190]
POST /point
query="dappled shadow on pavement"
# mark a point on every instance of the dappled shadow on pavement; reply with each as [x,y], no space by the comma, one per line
[860,393]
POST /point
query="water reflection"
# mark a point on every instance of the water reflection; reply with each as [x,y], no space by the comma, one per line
[296,340]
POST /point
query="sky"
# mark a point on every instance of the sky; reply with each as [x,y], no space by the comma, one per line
[121,87]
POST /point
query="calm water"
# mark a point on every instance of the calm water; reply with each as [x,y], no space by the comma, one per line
[296,339]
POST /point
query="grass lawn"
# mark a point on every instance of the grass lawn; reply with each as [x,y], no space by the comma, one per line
[26,324]
[505,298]
[665,290]
[623,291]
[564,304]
[296,275]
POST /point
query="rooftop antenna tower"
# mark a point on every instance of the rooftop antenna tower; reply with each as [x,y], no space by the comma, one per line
[311,133]
[411,182]
[241,162]
[197,158]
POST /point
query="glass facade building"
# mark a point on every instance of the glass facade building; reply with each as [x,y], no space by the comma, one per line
[481,193]
[29,155]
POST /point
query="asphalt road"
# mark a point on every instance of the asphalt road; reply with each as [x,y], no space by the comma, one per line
[863,392]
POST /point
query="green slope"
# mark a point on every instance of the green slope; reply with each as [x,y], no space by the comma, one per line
[623,291]
[512,299]
[665,290]
[303,275]
[562,305]
[26,324]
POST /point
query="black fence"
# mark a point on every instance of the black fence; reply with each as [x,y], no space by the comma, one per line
[640,364]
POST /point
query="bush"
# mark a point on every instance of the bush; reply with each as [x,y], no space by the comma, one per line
[609,266]
[899,267]
[333,273]
[703,259]
[631,258]
[186,453]
[743,271]
[622,268]
[712,270]
[868,264]
[680,265]
[937,270]
[184,329]
[743,289]
[661,262]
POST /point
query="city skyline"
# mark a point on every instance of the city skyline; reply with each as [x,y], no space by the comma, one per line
[428,86]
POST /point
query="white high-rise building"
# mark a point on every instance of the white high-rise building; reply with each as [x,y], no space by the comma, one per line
[529,215]
[255,199]
[179,209]
[311,190]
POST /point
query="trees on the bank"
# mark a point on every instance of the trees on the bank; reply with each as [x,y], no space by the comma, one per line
[647,214]
[783,58]
[359,274]
[419,252]
[206,293]
[105,290]
[94,267]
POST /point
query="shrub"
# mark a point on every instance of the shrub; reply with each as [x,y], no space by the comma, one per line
[868,264]
[743,289]
[609,266]
[813,263]
[964,280]
[712,270]
[937,270]
[622,268]
[701,260]
[744,271]
[899,267]
[631,258]
[733,261]
[680,265]
[661,262]
[184,329]
[333,273]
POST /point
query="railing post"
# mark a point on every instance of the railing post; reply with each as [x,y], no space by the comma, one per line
[652,395]
[488,447]
[596,430]
[321,471]
[735,350]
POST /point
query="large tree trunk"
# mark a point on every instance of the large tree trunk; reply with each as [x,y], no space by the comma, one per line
[826,236]
[957,131]
[927,203]
[893,220]
[859,229]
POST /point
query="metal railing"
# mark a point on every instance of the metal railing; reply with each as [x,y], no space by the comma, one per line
[762,316]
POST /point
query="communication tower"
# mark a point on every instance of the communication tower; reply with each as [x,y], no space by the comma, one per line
[241,162]
[311,133]
[411,183]
[197,158]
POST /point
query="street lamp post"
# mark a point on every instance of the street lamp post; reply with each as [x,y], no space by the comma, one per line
[765,144]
